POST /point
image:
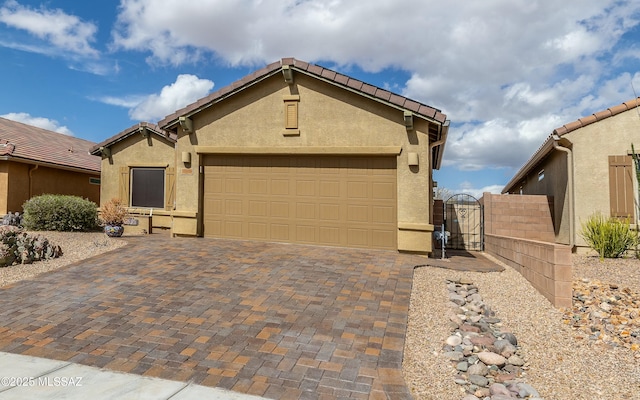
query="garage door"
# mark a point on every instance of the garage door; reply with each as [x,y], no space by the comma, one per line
[326,200]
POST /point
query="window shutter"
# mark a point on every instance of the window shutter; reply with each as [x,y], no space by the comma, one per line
[291,115]
[621,187]
[170,188]
[123,192]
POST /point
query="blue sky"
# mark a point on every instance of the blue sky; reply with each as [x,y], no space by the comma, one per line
[506,72]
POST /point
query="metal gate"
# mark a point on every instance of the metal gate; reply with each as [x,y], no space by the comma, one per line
[464,220]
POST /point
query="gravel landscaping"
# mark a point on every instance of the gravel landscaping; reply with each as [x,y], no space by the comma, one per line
[75,246]
[562,360]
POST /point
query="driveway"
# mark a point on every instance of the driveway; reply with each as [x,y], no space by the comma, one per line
[275,320]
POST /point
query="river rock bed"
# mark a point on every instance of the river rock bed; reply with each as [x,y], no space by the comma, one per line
[487,359]
[605,314]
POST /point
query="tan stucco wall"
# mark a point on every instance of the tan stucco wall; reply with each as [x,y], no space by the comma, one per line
[17,186]
[4,186]
[328,117]
[592,145]
[134,150]
[555,185]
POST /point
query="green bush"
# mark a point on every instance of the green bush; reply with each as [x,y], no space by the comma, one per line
[51,212]
[609,237]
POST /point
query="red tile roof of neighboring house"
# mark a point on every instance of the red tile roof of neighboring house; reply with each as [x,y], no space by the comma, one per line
[26,143]
[153,128]
[317,71]
[548,146]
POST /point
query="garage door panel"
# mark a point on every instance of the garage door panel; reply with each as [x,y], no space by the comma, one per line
[383,215]
[233,229]
[280,209]
[328,200]
[280,187]
[306,211]
[383,190]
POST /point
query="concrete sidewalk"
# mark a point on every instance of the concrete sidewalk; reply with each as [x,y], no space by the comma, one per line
[26,377]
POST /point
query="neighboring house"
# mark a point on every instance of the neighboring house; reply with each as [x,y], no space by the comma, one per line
[35,161]
[298,153]
[138,167]
[586,167]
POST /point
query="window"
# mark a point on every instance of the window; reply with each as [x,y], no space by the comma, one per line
[147,187]
[540,175]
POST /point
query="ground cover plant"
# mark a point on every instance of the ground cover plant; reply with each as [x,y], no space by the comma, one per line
[19,247]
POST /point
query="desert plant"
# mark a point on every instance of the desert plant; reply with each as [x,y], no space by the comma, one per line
[609,237]
[18,247]
[50,212]
[113,212]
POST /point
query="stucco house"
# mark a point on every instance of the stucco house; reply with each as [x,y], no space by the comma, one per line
[298,153]
[138,167]
[35,161]
[586,166]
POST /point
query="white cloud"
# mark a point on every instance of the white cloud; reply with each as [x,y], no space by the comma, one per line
[184,91]
[40,122]
[63,31]
[506,72]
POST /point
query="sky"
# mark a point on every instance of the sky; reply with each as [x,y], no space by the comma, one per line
[505,72]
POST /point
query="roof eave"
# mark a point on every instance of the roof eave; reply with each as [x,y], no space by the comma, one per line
[51,165]
[544,150]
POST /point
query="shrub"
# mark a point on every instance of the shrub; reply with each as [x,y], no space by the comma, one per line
[609,237]
[18,247]
[51,212]
[113,212]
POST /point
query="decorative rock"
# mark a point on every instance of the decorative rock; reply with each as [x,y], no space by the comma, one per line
[488,362]
[478,369]
[499,389]
[478,380]
[526,390]
[510,337]
[454,340]
[491,358]
[515,360]
[462,366]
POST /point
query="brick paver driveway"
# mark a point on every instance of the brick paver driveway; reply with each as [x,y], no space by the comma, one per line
[276,320]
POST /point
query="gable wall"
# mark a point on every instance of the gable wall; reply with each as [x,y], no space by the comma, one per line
[592,146]
[134,150]
[328,117]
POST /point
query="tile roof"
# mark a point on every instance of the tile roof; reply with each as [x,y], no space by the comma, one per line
[311,70]
[547,147]
[598,116]
[153,128]
[23,142]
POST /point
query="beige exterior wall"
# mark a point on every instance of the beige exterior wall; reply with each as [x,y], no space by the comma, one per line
[4,187]
[555,185]
[592,145]
[330,121]
[19,182]
[133,151]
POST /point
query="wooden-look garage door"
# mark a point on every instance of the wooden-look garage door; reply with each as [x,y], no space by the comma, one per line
[347,201]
